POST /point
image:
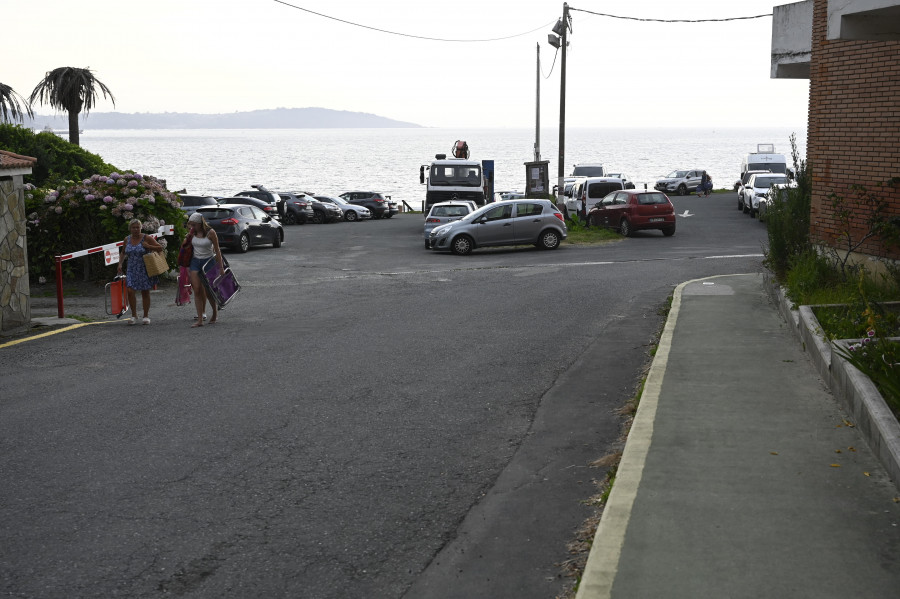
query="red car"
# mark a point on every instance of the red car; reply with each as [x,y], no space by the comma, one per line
[631,210]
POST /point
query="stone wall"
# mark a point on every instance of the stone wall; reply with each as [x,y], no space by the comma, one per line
[15,301]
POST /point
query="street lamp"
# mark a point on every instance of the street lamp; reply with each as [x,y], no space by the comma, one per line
[562,27]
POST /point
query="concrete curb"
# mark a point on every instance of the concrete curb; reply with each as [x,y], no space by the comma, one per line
[850,387]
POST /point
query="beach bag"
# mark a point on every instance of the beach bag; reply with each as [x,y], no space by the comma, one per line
[186,253]
[155,263]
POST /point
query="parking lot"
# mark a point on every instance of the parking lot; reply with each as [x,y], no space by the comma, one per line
[368,419]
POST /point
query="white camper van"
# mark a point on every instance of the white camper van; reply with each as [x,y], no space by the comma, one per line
[764,159]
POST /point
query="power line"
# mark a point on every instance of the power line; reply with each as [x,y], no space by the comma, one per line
[600,14]
[420,37]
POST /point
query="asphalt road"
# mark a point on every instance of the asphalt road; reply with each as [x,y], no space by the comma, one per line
[368,419]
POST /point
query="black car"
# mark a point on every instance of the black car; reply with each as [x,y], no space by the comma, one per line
[240,226]
[191,203]
[268,208]
[295,208]
[375,202]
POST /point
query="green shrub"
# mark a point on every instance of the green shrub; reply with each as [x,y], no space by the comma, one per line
[787,220]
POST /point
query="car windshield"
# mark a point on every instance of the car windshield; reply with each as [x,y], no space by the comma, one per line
[651,198]
[676,175]
[338,201]
[775,167]
[449,211]
[599,190]
[767,182]
[587,171]
[458,175]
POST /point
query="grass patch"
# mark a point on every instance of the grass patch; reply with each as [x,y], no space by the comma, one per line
[579,234]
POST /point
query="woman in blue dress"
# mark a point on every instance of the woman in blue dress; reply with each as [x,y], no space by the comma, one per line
[136,245]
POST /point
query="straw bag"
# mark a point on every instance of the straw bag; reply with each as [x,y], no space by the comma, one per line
[155,263]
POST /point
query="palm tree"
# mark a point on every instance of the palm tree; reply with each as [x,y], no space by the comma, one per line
[71,90]
[10,107]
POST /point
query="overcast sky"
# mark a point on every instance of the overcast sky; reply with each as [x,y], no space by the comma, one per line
[221,56]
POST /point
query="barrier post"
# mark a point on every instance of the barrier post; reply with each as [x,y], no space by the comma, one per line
[59,288]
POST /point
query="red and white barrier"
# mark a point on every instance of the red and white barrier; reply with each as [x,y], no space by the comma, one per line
[110,254]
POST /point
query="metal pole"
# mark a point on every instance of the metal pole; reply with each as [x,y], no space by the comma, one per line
[561,183]
[537,123]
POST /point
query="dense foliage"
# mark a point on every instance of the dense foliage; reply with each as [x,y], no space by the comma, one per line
[57,159]
[75,201]
[787,220]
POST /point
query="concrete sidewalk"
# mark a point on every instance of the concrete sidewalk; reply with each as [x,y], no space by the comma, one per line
[741,476]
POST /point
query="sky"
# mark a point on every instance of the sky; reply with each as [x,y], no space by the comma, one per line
[429,64]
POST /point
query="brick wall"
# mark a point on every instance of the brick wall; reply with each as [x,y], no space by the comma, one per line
[854,127]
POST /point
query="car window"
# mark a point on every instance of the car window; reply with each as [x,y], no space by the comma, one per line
[215,214]
[601,189]
[257,213]
[608,200]
[245,212]
[651,198]
[499,212]
[528,209]
[450,211]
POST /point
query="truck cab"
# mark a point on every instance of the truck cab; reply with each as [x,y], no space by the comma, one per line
[452,179]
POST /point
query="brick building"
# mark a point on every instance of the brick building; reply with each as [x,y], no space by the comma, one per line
[850,51]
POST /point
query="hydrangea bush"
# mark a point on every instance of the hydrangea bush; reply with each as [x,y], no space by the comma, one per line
[93,212]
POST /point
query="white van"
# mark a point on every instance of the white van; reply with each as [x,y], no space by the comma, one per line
[763,159]
[588,191]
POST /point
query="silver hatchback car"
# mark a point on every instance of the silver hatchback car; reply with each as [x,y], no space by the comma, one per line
[513,222]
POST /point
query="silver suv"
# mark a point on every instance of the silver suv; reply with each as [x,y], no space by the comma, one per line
[512,222]
[680,182]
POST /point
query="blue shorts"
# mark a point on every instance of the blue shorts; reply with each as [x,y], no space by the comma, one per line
[197,264]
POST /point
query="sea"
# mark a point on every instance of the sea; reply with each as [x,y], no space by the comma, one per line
[223,162]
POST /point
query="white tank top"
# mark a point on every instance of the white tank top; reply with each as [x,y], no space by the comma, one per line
[203,247]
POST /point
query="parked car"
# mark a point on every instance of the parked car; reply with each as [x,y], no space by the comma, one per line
[351,212]
[502,196]
[513,222]
[588,191]
[741,184]
[295,208]
[261,193]
[241,226]
[777,193]
[393,207]
[633,210]
[375,202]
[629,184]
[757,188]
[268,208]
[190,203]
[680,182]
[325,212]
[588,170]
[443,213]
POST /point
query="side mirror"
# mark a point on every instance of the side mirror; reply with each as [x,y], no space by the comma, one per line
[422,175]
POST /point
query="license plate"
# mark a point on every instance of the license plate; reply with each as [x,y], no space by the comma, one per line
[657,219]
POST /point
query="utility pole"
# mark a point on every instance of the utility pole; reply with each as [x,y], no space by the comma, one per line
[537,124]
[561,183]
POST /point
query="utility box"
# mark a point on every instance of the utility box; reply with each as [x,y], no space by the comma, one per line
[537,179]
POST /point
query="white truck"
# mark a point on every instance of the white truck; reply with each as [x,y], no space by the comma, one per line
[454,178]
[764,159]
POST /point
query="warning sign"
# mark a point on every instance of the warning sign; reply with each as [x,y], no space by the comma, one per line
[111,254]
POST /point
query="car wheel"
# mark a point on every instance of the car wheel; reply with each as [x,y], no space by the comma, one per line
[318,217]
[290,218]
[682,190]
[427,245]
[549,240]
[746,208]
[753,213]
[243,243]
[740,203]
[669,231]
[625,228]
[351,216]
[276,242]
[462,245]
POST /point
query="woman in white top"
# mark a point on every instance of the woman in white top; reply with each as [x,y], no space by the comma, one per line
[206,245]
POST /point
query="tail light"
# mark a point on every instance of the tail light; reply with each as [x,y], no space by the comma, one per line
[301,204]
[559,216]
[433,220]
[377,201]
[230,221]
[268,208]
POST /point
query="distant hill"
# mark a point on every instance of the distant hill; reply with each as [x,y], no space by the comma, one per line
[277,118]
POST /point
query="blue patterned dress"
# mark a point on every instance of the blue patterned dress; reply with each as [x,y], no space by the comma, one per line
[136,277]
